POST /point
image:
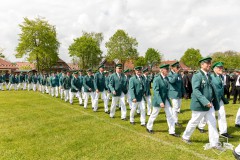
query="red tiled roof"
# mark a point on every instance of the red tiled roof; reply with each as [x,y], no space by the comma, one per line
[73,66]
[6,65]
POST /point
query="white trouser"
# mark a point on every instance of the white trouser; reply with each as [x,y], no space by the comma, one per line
[83,94]
[237,149]
[78,95]
[29,86]
[24,85]
[39,87]
[176,104]
[66,95]
[61,92]
[19,86]
[8,85]
[141,106]
[14,86]
[104,98]
[72,94]
[54,91]
[149,104]
[43,89]
[211,120]
[129,100]
[86,96]
[121,100]
[1,86]
[34,87]
[107,97]
[168,112]
[222,122]
[237,121]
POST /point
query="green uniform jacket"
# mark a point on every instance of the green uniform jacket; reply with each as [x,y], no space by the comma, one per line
[54,81]
[66,82]
[176,88]
[136,88]
[147,85]
[117,84]
[160,90]
[61,80]
[1,79]
[88,83]
[218,83]
[99,81]
[21,78]
[13,79]
[203,93]
[75,85]
[44,80]
[35,79]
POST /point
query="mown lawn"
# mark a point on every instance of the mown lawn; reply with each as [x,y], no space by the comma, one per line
[37,126]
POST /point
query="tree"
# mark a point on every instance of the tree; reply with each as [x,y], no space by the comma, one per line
[38,41]
[153,57]
[231,59]
[141,61]
[1,53]
[191,58]
[122,47]
[87,50]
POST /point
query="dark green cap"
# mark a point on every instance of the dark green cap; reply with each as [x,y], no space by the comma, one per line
[176,64]
[110,70]
[101,66]
[75,72]
[138,68]
[126,71]
[206,59]
[119,65]
[80,70]
[218,64]
[145,70]
[89,70]
[164,66]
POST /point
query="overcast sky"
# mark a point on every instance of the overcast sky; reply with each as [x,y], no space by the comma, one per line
[171,26]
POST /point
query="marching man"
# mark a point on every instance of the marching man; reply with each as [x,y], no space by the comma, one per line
[204,102]
[217,81]
[89,89]
[161,101]
[99,85]
[136,90]
[176,90]
[117,85]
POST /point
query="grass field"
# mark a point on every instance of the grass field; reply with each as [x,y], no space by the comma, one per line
[38,126]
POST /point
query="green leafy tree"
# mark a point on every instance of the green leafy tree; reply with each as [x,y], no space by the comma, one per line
[87,51]
[191,58]
[153,57]
[141,61]
[231,59]
[38,41]
[122,47]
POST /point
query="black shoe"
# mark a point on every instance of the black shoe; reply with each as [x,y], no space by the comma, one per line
[71,103]
[186,141]
[150,131]
[178,124]
[124,119]
[144,125]
[236,155]
[237,125]
[107,112]
[175,135]
[111,117]
[201,130]
[234,103]
[133,123]
[227,135]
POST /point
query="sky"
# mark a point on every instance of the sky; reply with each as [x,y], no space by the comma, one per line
[170,26]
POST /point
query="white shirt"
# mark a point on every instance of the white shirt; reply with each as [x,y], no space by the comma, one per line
[206,73]
[237,82]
